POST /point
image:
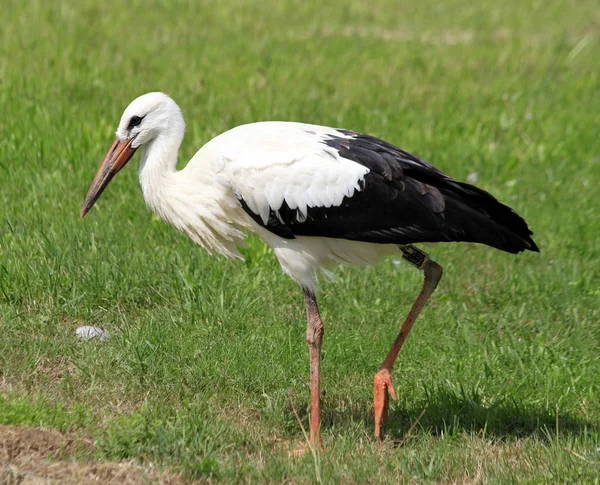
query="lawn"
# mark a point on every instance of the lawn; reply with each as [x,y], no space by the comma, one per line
[500,379]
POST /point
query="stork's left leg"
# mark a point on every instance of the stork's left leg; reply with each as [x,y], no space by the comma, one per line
[314,338]
[382,384]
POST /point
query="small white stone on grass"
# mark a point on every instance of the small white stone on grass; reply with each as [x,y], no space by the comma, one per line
[88,332]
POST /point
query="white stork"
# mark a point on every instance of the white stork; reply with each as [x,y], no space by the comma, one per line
[317,196]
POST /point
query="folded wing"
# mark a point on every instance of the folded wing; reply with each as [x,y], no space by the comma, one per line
[317,181]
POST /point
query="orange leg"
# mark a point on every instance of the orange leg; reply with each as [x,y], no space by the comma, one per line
[314,338]
[382,383]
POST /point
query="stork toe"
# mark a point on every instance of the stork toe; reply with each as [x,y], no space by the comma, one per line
[383,388]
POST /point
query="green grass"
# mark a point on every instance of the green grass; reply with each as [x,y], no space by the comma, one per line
[498,382]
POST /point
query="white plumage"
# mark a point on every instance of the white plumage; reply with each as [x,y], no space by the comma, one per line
[316,195]
[264,164]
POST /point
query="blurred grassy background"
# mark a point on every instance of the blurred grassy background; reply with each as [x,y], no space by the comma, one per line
[504,362]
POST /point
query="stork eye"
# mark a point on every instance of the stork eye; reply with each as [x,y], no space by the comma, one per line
[134,121]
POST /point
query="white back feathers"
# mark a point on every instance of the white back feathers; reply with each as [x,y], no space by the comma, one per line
[271,162]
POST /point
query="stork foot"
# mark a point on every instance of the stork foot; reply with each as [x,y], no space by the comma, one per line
[383,388]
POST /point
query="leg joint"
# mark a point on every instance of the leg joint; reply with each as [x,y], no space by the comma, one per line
[420,260]
[314,332]
[433,271]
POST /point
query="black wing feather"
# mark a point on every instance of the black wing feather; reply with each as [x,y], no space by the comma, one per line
[403,200]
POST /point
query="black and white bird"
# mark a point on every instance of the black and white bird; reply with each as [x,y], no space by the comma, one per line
[317,196]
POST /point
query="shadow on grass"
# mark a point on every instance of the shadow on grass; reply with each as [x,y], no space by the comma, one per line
[445,411]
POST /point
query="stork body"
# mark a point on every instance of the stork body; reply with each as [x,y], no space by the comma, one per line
[317,196]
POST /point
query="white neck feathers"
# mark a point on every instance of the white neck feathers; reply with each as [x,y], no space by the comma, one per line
[191,200]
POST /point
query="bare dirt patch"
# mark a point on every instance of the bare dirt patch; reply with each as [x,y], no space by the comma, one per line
[35,456]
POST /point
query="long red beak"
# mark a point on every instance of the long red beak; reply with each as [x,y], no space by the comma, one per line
[119,154]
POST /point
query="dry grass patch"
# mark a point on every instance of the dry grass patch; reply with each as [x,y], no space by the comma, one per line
[35,456]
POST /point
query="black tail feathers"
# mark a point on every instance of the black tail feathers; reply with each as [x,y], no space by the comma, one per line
[482,218]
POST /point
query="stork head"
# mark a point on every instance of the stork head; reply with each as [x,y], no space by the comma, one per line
[143,121]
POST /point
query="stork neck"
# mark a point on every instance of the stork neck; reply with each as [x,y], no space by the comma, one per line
[157,167]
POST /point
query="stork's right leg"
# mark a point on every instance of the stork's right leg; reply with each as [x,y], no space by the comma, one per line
[382,384]
[314,338]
